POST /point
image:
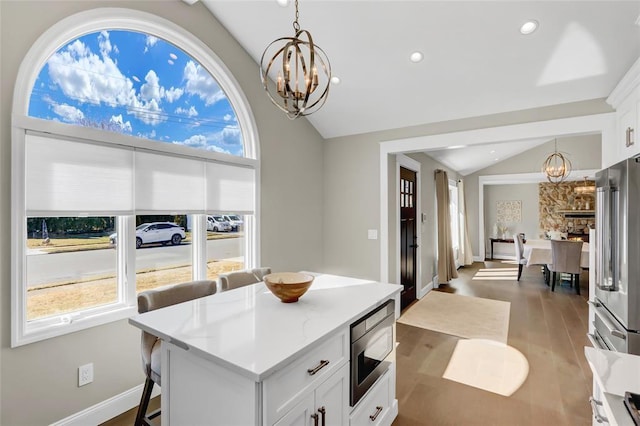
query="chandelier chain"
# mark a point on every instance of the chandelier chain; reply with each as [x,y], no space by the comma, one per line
[296,25]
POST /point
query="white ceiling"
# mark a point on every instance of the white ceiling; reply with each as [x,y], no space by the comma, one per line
[476,61]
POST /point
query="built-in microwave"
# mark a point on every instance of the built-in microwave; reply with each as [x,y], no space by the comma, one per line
[371,343]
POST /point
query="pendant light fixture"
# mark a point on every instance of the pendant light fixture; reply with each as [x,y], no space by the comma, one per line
[556,167]
[302,73]
[585,189]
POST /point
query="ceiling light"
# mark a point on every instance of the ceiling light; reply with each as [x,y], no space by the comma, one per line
[303,73]
[416,57]
[556,167]
[529,27]
[283,3]
[335,80]
[585,189]
[492,151]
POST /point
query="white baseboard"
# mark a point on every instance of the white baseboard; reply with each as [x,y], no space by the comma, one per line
[478,259]
[502,257]
[108,409]
[426,289]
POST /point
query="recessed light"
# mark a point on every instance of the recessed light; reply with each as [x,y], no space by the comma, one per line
[495,159]
[335,80]
[283,3]
[416,57]
[529,27]
[492,151]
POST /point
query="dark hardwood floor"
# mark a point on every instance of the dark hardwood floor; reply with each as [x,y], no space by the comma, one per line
[548,328]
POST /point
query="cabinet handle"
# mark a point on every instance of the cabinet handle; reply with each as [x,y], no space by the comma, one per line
[375,415]
[323,363]
[323,411]
[594,409]
[314,416]
[631,133]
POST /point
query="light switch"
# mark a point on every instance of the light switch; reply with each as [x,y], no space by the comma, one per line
[373,234]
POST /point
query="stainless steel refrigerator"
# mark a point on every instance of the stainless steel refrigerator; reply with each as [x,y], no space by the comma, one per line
[617,293]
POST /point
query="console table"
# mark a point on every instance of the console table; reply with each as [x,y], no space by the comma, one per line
[500,240]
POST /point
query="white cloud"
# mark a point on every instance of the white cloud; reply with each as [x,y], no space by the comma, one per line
[150,42]
[136,79]
[151,89]
[85,77]
[191,112]
[201,142]
[173,56]
[173,94]
[227,117]
[104,43]
[68,113]
[200,83]
[117,119]
[170,62]
[148,112]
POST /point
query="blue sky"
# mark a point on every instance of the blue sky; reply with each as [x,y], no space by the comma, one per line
[139,85]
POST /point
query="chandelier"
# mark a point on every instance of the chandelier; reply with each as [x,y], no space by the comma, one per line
[303,73]
[585,189]
[556,167]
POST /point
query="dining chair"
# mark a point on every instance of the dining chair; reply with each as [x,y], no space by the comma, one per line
[236,279]
[565,258]
[150,300]
[518,240]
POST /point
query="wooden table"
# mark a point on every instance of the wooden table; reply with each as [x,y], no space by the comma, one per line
[538,252]
[499,240]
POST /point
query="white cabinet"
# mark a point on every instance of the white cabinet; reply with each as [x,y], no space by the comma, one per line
[326,405]
[625,99]
[379,406]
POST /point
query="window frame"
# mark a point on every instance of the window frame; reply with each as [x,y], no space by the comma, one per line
[52,40]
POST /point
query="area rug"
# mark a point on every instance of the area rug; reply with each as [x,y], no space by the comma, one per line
[463,316]
[487,365]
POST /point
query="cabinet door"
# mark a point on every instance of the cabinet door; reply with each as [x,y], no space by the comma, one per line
[300,414]
[627,123]
[332,399]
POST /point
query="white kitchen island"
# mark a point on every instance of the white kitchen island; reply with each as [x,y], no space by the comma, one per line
[242,357]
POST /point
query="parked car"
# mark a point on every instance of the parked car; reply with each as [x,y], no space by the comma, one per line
[217,223]
[235,221]
[156,232]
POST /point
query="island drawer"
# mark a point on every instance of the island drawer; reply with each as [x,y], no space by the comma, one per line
[373,409]
[286,387]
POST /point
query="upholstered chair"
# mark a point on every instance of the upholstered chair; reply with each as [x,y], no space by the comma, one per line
[236,279]
[518,240]
[565,258]
[155,299]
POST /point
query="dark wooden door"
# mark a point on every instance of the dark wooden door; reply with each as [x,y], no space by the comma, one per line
[408,236]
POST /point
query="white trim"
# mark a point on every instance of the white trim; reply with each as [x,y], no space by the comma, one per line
[413,165]
[478,259]
[107,409]
[513,179]
[626,85]
[53,39]
[426,289]
[572,126]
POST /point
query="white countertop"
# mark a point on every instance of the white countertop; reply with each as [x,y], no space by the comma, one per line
[249,331]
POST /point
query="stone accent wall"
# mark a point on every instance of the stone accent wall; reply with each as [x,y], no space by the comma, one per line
[561,196]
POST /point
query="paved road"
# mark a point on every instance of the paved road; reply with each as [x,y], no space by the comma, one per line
[45,268]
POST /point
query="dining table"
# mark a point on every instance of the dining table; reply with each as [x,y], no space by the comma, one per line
[538,252]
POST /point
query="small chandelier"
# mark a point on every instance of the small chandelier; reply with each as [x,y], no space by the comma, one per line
[585,189]
[556,167]
[303,73]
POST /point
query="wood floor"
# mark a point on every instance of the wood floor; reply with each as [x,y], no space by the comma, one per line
[548,328]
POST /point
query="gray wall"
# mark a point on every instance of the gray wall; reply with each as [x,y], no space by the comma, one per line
[584,153]
[39,380]
[527,193]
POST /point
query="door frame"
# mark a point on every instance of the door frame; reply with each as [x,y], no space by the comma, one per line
[413,165]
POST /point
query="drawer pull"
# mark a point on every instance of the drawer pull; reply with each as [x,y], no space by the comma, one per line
[323,363]
[375,415]
[594,409]
[323,411]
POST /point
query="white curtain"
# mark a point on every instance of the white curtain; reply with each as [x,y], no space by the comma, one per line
[466,254]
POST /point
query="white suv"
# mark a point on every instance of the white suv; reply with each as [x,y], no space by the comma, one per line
[217,224]
[156,232]
[235,221]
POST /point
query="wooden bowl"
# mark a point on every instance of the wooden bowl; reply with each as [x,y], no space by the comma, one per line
[288,286]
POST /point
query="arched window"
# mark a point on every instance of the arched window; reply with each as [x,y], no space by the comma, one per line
[134,166]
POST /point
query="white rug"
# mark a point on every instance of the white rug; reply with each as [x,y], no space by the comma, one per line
[463,316]
[487,365]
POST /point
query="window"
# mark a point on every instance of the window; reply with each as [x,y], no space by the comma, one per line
[119,160]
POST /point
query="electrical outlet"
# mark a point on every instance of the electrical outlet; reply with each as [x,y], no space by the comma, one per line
[85,374]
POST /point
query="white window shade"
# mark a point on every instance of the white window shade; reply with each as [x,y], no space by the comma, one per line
[63,177]
[169,184]
[230,189]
